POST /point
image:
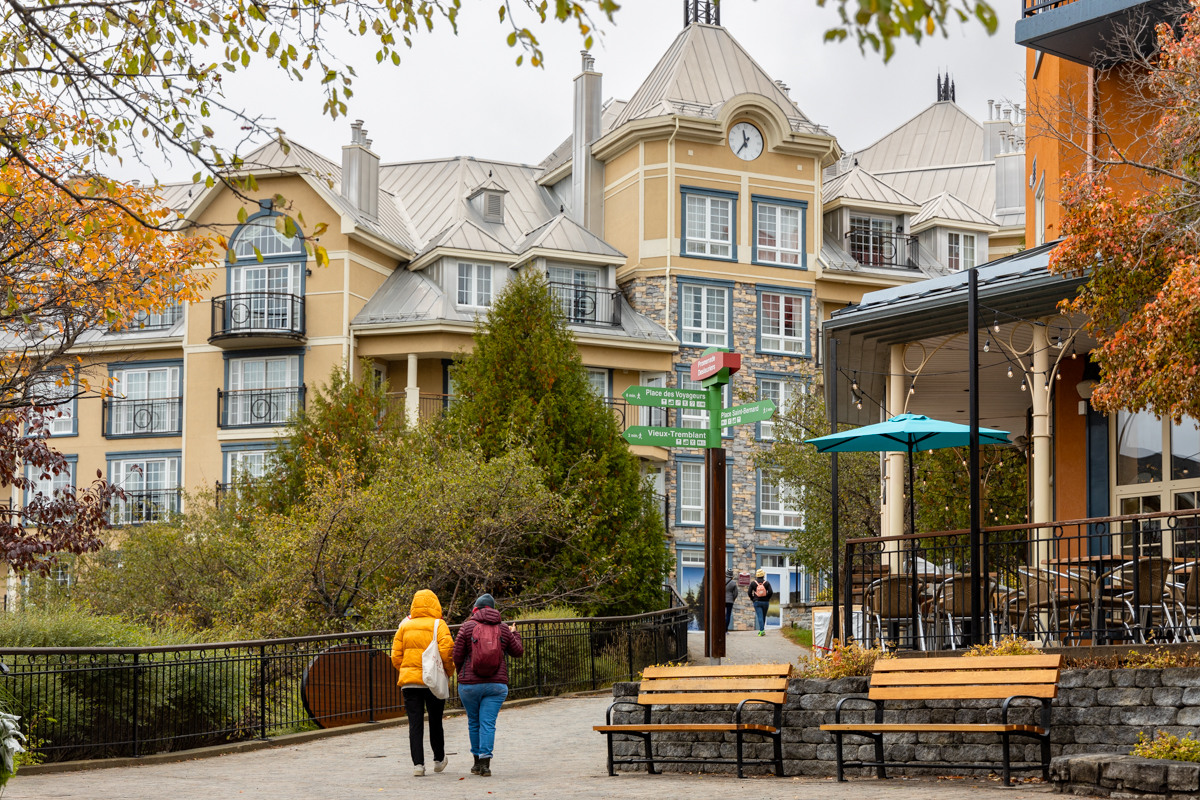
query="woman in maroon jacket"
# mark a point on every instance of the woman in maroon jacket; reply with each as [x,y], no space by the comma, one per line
[479,654]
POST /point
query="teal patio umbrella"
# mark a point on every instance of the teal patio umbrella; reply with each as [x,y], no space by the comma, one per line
[909,432]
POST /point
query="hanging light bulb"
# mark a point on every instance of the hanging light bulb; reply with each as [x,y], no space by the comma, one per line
[1010,370]
[987,345]
[1058,376]
[858,402]
[854,382]
[1058,343]
[912,389]
[996,323]
[1072,349]
[1022,384]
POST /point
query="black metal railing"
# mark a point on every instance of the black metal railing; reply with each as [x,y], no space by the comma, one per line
[157,417]
[588,305]
[142,507]
[891,250]
[1132,579]
[154,320]
[625,414]
[79,703]
[272,314]
[1031,7]
[429,406]
[246,408]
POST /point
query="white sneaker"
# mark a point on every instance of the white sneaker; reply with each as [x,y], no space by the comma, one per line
[438,766]
[419,771]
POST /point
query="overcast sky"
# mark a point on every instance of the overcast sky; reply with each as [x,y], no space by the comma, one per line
[463,95]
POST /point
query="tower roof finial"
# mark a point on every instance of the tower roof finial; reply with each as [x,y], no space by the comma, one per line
[706,12]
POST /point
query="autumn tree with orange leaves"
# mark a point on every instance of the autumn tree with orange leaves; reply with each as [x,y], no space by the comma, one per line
[1142,253]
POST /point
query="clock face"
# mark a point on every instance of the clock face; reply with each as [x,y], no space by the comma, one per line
[745,141]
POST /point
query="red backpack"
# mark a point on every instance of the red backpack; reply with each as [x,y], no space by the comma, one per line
[487,649]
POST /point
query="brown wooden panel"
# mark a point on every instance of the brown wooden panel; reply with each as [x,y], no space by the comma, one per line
[960,663]
[952,728]
[342,683]
[961,692]
[726,671]
[710,698]
[717,684]
[965,678]
[679,728]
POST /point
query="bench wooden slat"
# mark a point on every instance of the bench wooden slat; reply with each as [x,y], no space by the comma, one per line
[720,671]
[730,684]
[965,678]
[874,727]
[960,663]
[996,692]
[679,728]
[710,698]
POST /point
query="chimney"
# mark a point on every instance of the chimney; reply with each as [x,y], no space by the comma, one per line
[360,173]
[587,173]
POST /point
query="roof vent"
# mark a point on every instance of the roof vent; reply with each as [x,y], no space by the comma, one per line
[493,207]
[783,87]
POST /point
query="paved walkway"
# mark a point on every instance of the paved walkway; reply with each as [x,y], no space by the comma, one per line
[546,750]
[747,647]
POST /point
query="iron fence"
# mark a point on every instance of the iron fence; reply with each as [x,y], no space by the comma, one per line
[78,703]
[258,314]
[1131,579]
[161,416]
[871,248]
[588,305]
[142,507]
[245,408]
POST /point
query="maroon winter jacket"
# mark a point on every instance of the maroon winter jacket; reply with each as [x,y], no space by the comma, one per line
[510,642]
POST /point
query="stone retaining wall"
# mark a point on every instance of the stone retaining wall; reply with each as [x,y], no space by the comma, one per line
[1108,775]
[1097,711]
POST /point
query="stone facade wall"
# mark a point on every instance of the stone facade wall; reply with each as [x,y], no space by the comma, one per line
[650,295]
[1097,711]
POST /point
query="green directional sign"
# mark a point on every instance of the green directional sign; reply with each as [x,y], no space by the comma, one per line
[666,398]
[751,412]
[670,437]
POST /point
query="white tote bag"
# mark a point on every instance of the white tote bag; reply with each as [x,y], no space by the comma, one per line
[432,673]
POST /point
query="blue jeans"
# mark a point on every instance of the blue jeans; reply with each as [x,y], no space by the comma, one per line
[760,614]
[482,702]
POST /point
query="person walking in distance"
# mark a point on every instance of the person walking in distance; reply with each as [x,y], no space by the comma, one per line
[731,593]
[418,630]
[480,648]
[760,592]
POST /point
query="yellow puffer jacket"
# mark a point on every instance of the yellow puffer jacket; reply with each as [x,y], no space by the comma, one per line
[415,634]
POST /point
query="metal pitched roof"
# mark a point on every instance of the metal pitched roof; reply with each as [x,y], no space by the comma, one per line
[702,69]
[858,184]
[948,207]
[975,185]
[466,235]
[406,297]
[564,233]
[941,134]
[563,153]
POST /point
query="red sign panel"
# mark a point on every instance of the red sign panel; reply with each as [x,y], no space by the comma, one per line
[711,364]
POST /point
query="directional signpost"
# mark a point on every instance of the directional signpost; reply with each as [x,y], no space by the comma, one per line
[712,371]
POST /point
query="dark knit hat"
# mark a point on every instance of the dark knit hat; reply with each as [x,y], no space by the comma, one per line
[485,601]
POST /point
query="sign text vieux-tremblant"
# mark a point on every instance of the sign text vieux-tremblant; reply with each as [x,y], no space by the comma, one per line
[713,368]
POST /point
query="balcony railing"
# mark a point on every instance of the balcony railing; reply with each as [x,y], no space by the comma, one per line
[156,417]
[1131,579]
[140,508]
[889,251]
[154,321]
[247,408]
[626,415]
[429,406]
[588,305]
[258,314]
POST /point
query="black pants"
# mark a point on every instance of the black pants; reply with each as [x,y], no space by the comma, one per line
[416,700]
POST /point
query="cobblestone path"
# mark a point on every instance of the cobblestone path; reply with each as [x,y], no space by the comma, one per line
[546,750]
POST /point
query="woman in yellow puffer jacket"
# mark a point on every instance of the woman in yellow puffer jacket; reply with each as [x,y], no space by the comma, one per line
[413,636]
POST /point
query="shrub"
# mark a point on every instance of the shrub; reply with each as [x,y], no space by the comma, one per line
[1157,658]
[1169,747]
[1007,646]
[843,661]
[67,625]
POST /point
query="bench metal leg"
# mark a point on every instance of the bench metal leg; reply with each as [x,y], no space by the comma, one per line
[649,756]
[1046,758]
[880,771]
[611,772]
[779,755]
[841,776]
[738,735]
[1004,745]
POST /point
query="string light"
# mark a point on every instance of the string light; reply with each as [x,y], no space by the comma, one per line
[996,323]
[912,389]
[987,345]
[1058,343]
[1010,370]
[1058,376]
[854,382]
[858,402]
[1022,384]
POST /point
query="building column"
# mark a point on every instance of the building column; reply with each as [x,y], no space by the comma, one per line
[412,394]
[1040,390]
[895,460]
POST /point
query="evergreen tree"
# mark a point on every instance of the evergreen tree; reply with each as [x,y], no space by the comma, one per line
[524,383]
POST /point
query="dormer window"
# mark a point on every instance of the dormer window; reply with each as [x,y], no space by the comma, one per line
[493,207]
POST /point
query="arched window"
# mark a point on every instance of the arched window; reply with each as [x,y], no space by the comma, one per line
[260,233]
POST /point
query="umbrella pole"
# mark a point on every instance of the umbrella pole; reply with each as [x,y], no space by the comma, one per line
[912,547]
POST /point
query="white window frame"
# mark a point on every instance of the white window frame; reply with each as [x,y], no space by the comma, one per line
[778,253]
[702,234]
[123,418]
[597,377]
[782,342]
[58,419]
[260,232]
[239,408]
[960,251]
[124,471]
[235,463]
[876,230]
[650,415]
[702,330]
[782,395]
[1039,212]
[780,515]
[689,512]
[696,418]
[477,290]
[62,482]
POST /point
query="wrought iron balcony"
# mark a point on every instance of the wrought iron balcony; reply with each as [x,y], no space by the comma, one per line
[140,508]
[130,418]
[588,305]
[254,319]
[248,408]
[154,321]
[883,250]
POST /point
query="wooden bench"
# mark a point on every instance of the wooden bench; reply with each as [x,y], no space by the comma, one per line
[717,685]
[992,677]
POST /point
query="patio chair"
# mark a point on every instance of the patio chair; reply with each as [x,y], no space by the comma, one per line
[1185,591]
[1153,601]
[952,608]
[889,601]
[1048,603]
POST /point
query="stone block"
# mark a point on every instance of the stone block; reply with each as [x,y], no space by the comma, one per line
[1077,749]
[899,752]
[1123,677]
[800,752]
[826,752]
[969,716]
[1188,716]
[1183,777]
[817,736]
[1167,696]
[1191,696]
[1071,678]
[1147,678]
[1121,696]
[855,685]
[814,686]
[818,701]
[675,749]
[918,716]
[625,689]
[943,716]
[1140,774]
[1177,676]
[1082,697]
[1144,715]
[1098,678]
[1062,734]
